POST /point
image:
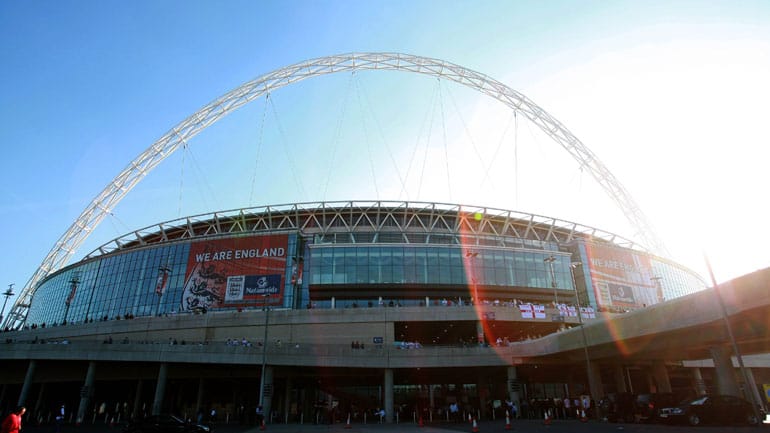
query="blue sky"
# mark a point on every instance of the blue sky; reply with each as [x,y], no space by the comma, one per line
[671,96]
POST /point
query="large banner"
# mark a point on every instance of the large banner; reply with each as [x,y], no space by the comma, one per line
[622,278]
[236,272]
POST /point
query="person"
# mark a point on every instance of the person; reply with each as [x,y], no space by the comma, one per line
[59,419]
[260,415]
[12,423]
[454,411]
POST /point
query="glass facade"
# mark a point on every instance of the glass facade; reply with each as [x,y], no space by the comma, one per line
[126,283]
[120,285]
[437,265]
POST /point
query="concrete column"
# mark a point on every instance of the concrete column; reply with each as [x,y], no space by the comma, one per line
[698,382]
[160,389]
[480,332]
[135,411]
[431,398]
[427,301]
[267,403]
[287,399]
[650,380]
[86,392]
[27,382]
[199,399]
[3,391]
[333,302]
[660,373]
[753,392]
[595,382]
[620,378]
[513,388]
[39,401]
[387,388]
[481,390]
[724,372]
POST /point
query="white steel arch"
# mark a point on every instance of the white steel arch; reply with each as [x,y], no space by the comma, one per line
[100,206]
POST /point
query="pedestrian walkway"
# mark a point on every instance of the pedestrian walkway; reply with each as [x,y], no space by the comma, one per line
[518,426]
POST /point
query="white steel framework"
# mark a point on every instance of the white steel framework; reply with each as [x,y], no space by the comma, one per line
[342,220]
[180,134]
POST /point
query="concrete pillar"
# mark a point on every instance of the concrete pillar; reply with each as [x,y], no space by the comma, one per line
[595,382]
[267,402]
[86,392]
[39,401]
[199,399]
[481,390]
[724,372]
[620,378]
[333,302]
[3,391]
[387,387]
[27,382]
[287,399]
[513,388]
[660,372]
[431,398]
[698,382]
[135,411]
[480,332]
[160,389]
[649,379]
[427,301]
[753,391]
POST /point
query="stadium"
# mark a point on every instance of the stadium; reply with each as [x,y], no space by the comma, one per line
[316,311]
[333,295]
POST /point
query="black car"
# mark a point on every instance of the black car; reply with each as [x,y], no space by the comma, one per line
[647,406]
[164,424]
[618,407]
[711,409]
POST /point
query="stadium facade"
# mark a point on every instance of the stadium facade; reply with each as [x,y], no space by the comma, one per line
[337,255]
[330,298]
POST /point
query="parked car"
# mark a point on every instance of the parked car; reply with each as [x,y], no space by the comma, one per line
[711,409]
[618,407]
[164,424]
[647,406]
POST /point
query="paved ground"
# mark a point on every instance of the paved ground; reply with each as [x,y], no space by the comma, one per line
[521,426]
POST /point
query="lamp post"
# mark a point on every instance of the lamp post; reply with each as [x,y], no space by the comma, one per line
[572,267]
[550,259]
[8,293]
[264,353]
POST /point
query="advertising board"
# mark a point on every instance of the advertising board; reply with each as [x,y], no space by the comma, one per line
[235,272]
[622,278]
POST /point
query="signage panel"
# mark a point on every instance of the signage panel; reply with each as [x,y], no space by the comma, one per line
[235,272]
[622,278]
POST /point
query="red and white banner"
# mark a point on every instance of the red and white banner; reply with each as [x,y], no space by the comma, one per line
[563,310]
[588,312]
[162,282]
[526,311]
[539,311]
[73,289]
[571,311]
